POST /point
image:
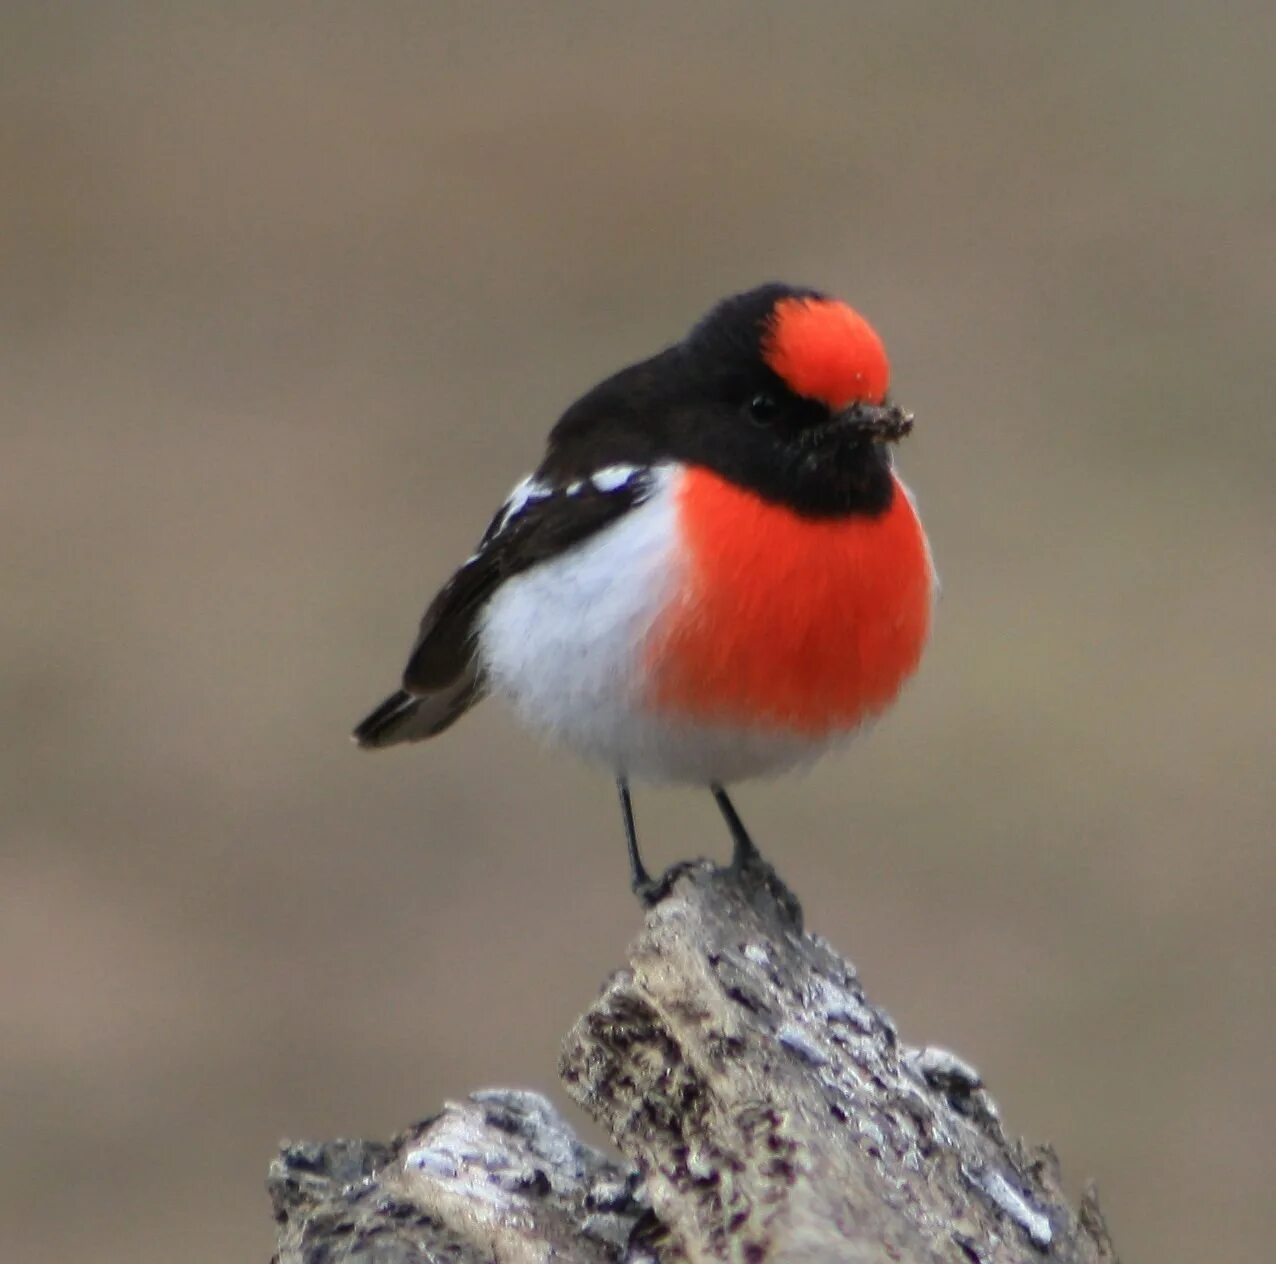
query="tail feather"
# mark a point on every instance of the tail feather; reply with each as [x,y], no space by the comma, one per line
[405,717]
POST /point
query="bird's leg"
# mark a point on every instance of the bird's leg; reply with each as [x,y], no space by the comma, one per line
[744,850]
[639,878]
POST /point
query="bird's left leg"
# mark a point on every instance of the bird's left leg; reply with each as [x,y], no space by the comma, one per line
[744,850]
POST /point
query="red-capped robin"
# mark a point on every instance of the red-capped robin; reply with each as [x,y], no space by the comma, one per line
[715,572]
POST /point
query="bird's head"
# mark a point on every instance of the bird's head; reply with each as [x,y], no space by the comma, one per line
[787,391]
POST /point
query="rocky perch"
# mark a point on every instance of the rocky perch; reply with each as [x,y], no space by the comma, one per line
[765,1109]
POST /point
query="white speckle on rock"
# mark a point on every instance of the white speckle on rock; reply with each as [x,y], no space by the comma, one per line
[943,1068]
[797,1041]
[698,1165]
[1014,1204]
[432,1161]
[537,1105]
[459,1150]
[609,1195]
[545,1130]
[838,1005]
[608,1228]
[873,1133]
[757,954]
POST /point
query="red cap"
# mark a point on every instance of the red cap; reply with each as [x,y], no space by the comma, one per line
[825,350]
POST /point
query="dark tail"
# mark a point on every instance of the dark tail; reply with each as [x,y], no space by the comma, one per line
[405,717]
[384,727]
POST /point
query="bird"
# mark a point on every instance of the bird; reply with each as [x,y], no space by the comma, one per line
[714,574]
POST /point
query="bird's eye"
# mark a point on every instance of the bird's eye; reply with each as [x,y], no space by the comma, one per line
[763,407]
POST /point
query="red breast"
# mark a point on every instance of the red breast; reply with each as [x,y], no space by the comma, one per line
[789,622]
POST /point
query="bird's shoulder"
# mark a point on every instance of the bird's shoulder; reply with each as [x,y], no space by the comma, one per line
[603,457]
[545,514]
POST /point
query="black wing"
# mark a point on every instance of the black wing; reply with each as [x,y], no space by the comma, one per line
[539,521]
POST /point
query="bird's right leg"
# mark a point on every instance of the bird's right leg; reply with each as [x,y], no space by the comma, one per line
[639,879]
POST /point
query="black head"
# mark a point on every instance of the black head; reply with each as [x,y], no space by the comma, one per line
[780,390]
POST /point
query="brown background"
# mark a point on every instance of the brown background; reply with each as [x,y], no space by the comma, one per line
[291,295]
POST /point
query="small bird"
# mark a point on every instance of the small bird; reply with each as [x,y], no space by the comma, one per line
[714,573]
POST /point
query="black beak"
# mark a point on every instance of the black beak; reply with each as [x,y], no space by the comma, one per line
[879,423]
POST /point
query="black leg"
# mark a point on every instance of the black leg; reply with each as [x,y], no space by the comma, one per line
[639,878]
[744,850]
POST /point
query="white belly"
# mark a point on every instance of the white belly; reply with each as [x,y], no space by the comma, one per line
[564,643]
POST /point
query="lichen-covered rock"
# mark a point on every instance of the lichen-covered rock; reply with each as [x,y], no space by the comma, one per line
[766,1108]
[776,1116]
[498,1176]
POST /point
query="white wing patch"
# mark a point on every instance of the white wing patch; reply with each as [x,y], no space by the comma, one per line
[532,491]
[611,478]
[529,490]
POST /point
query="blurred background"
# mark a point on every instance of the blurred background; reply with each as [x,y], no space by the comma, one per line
[291,295]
